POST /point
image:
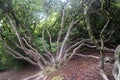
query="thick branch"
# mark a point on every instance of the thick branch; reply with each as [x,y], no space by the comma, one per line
[18,55]
[76,44]
[74,51]
[16,31]
[90,30]
[61,30]
[34,53]
[65,39]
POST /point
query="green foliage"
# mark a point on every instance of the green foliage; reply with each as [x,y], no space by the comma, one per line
[8,62]
[118,2]
[39,43]
[54,46]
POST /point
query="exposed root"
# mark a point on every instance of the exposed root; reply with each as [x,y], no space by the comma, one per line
[42,75]
[38,76]
[91,56]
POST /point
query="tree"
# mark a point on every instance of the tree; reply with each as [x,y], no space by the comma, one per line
[23,46]
[116,69]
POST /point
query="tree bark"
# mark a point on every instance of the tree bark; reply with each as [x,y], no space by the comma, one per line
[116,69]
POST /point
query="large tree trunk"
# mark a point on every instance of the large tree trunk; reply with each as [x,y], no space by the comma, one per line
[116,70]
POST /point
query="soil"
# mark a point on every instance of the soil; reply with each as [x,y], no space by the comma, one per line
[78,68]
[19,74]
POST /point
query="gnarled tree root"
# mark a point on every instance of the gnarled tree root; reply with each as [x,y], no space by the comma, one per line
[38,76]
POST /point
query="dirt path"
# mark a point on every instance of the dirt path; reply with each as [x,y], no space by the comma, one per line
[78,68]
[19,74]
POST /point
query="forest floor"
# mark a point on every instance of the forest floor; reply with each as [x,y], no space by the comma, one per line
[78,68]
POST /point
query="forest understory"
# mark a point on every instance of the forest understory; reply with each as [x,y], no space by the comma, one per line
[78,68]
